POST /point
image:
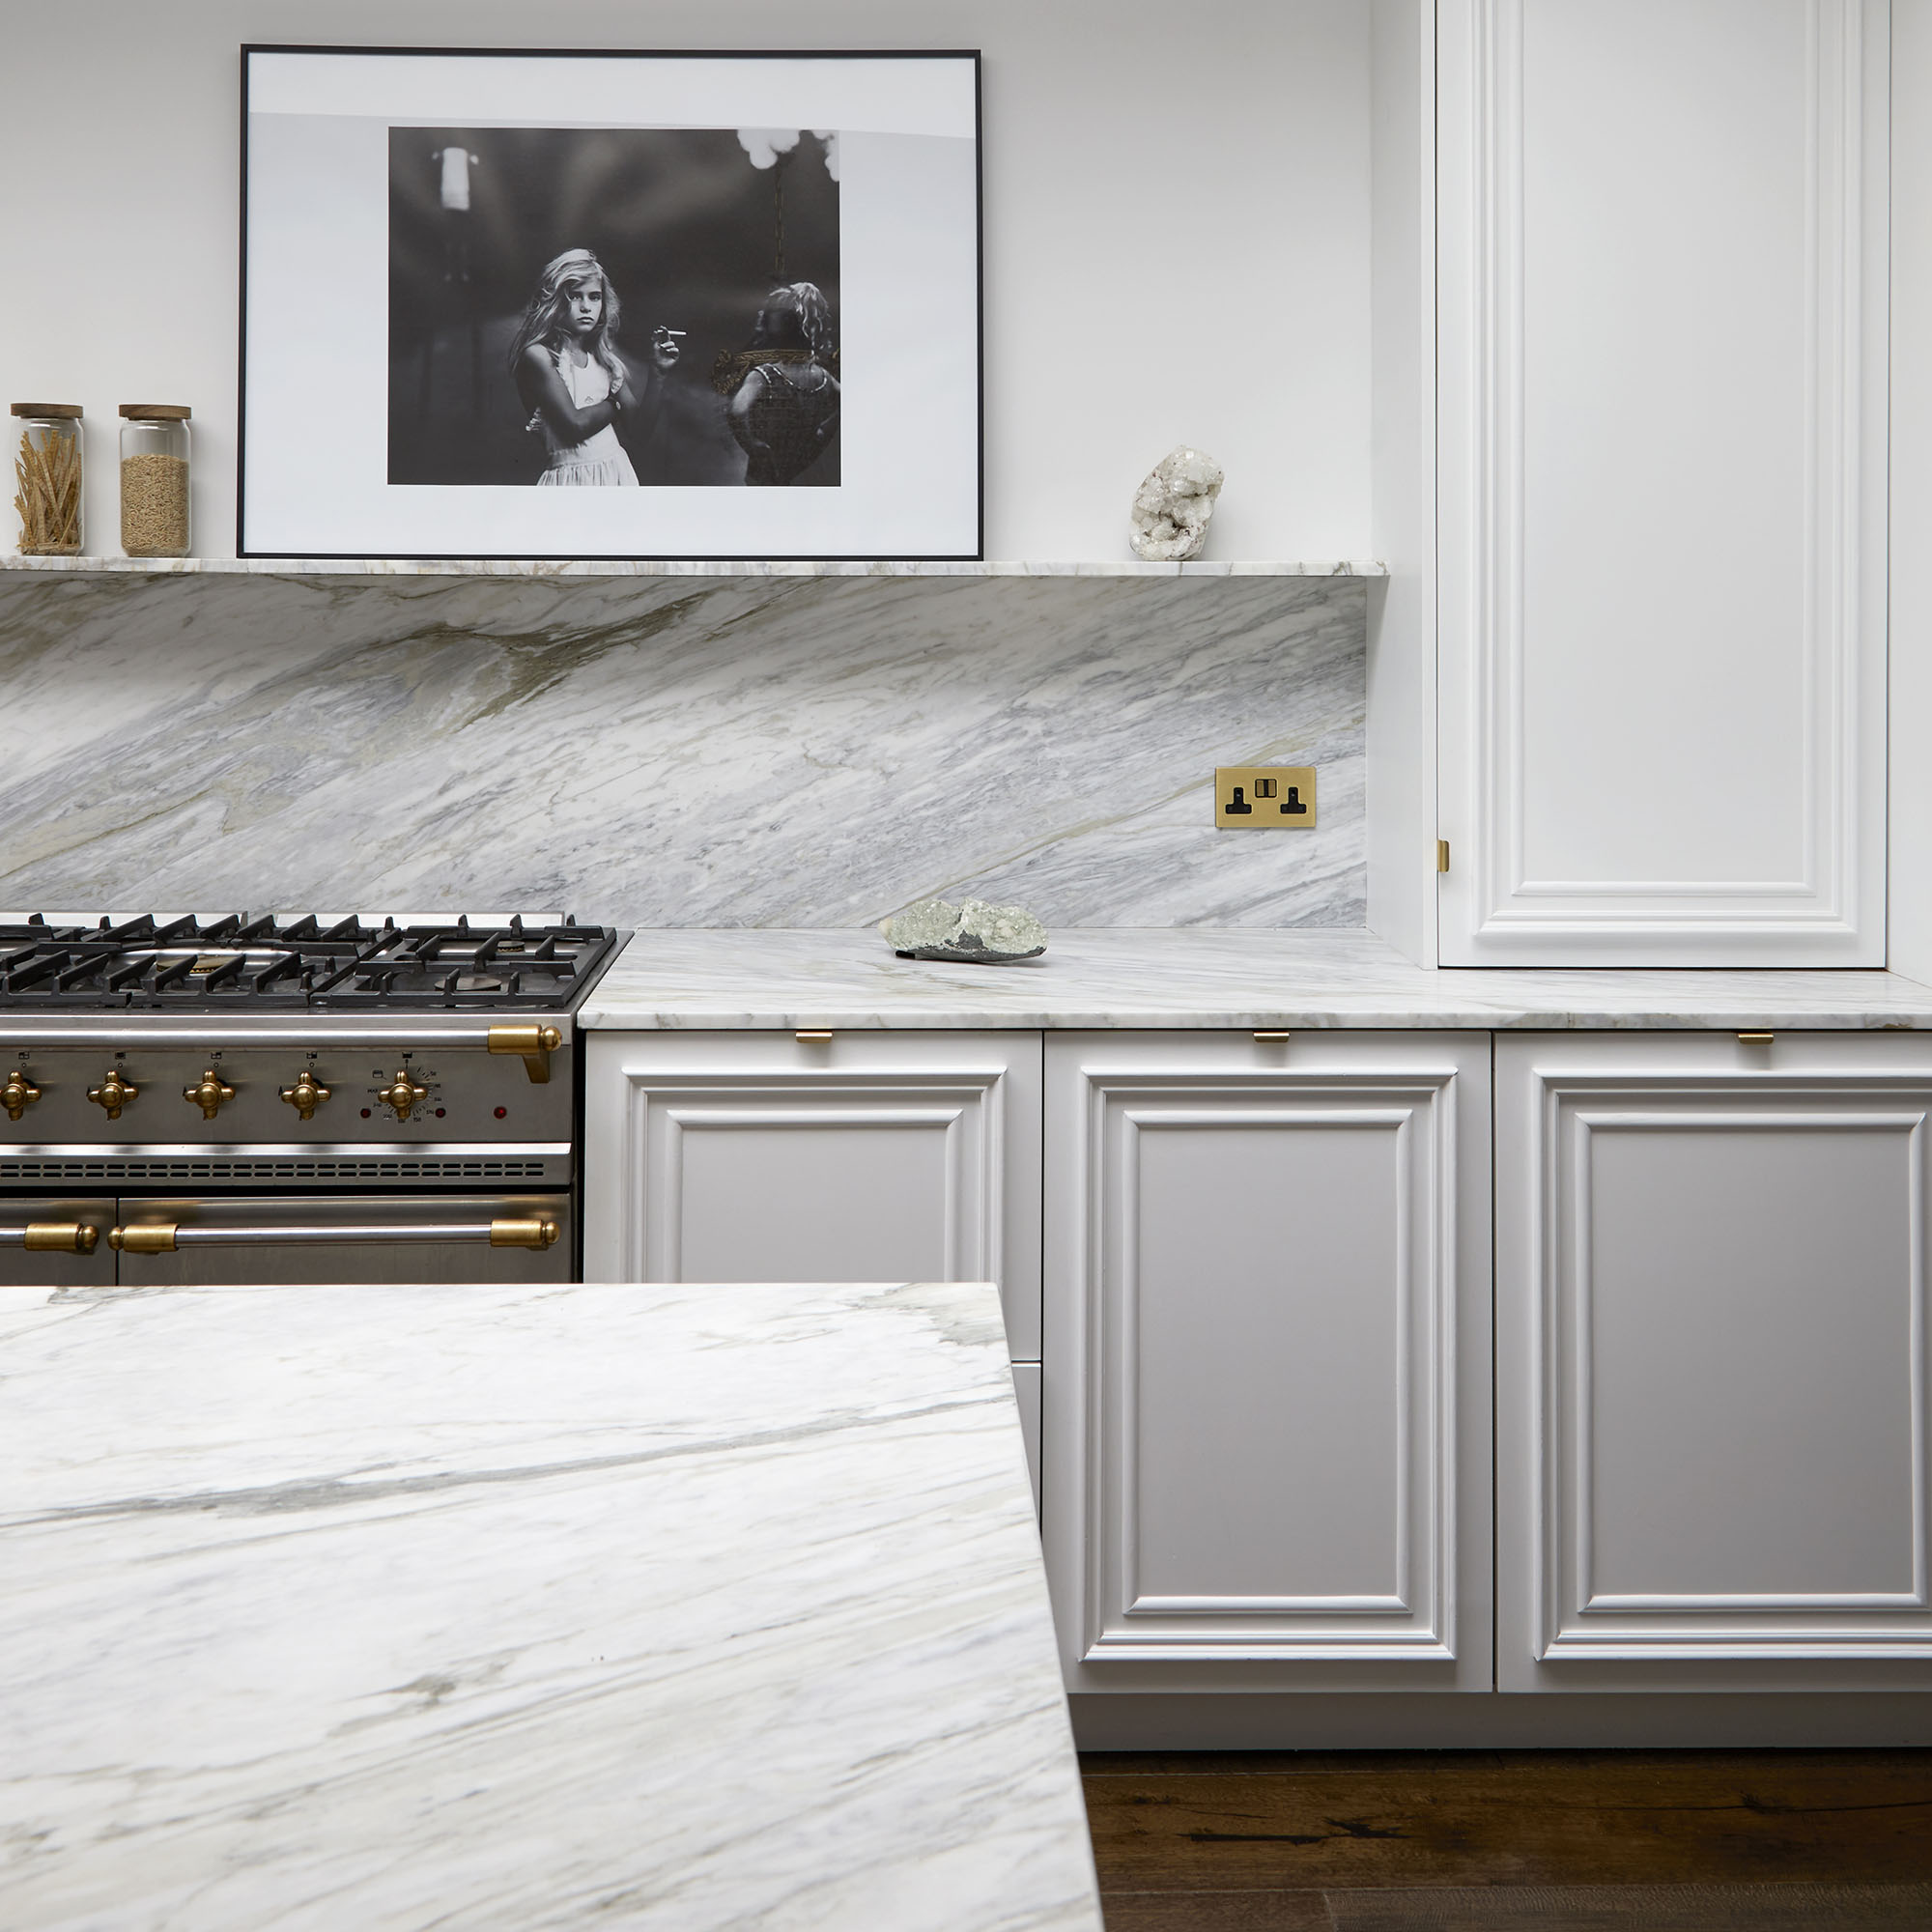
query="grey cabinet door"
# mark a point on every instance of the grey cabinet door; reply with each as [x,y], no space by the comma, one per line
[866,1156]
[1711,1357]
[1267,1360]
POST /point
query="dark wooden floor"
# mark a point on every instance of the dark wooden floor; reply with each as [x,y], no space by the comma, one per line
[1506,1841]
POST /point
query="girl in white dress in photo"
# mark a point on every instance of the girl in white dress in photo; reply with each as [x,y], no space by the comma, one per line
[573,381]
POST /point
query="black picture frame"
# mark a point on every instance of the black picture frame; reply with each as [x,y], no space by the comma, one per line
[262,535]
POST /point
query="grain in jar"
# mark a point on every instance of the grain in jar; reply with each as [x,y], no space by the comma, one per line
[155,479]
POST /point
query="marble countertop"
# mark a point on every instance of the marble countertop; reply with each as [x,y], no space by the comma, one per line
[525,1608]
[1189,976]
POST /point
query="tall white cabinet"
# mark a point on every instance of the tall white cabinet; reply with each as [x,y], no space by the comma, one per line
[1266,1362]
[1652,589]
[1714,1358]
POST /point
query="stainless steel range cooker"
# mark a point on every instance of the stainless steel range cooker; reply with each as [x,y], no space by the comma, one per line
[281,1099]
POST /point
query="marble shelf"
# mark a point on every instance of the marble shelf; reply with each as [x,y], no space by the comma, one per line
[540,567]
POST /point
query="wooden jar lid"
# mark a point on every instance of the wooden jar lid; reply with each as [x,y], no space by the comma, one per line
[173,413]
[46,408]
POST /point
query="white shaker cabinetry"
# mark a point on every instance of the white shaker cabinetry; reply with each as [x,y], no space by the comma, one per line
[1267,1360]
[868,1157]
[1712,1352]
[1660,463]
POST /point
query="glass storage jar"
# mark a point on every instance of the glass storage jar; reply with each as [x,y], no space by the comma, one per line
[155,479]
[46,475]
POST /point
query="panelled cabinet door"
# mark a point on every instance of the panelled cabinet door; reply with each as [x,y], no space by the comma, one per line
[1712,1358]
[1661,261]
[1266,1367]
[870,1156]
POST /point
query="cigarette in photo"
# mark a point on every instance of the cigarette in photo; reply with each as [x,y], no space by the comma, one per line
[673,332]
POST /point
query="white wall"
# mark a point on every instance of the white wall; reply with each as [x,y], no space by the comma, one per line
[1909,929]
[1176,230]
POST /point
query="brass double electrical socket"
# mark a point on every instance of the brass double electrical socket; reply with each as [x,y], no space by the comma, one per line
[1278,797]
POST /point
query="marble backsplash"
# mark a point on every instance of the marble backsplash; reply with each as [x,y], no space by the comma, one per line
[713,752]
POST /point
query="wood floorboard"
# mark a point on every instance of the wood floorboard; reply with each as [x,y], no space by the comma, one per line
[1217,1911]
[1447,1821]
[1630,1908]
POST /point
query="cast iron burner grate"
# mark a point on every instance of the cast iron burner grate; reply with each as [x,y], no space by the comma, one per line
[242,961]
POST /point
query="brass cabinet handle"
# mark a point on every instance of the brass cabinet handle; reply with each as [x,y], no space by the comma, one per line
[51,1237]
[402,1094]
[1755,1038]
[812,1036]
[533,1043]
[19,1095]
[1272,1036]
[163,1238]
[307,1094]
[208,1093]
[113,1093]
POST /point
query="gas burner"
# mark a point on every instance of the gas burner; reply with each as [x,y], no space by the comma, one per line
[247,961]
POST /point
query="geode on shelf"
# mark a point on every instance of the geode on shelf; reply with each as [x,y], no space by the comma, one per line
[1169,523]
[972,932]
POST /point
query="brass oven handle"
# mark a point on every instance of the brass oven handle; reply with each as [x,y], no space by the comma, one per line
[533,1043]
[50,1237]
[161,1237]
[19,1095]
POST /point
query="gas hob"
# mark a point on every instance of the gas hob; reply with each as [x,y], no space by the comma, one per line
[288,964]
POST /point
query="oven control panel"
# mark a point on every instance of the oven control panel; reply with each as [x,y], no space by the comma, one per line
[225,1093]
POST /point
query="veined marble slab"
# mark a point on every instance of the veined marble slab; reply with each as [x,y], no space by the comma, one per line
[1196,978]
[700,750]
[523,1608]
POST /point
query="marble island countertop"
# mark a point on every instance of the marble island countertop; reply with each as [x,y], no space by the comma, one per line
[525,1608]
[1190,977]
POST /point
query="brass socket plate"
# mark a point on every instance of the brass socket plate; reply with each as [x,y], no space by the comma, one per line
[1253,798]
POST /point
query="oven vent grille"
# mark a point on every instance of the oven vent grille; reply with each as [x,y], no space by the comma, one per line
[80,1172]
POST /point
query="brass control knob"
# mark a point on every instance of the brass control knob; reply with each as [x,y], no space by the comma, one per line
[307,1094]
[402,1094]
[19,1095]
[113,1093]
[208,1093]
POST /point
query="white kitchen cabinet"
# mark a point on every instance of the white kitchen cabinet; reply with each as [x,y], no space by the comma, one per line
[869,1156]
[1643,378]
[1267,1360]
[1712,1356]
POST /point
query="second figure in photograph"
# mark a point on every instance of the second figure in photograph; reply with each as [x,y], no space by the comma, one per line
[572,382]
[783,398]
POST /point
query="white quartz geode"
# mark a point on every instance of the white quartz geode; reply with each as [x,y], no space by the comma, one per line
[1169,523]
[974,932]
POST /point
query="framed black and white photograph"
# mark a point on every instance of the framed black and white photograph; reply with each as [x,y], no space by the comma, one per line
[633,305]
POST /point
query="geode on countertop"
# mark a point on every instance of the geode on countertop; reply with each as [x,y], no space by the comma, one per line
[972,932]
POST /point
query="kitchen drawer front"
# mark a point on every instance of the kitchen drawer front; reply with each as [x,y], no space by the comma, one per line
[865,1156]
[326,1239]
[1267,1360]
[1712,1358]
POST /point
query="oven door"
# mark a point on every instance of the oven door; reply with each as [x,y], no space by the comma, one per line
[55,1242]
[176,1240]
